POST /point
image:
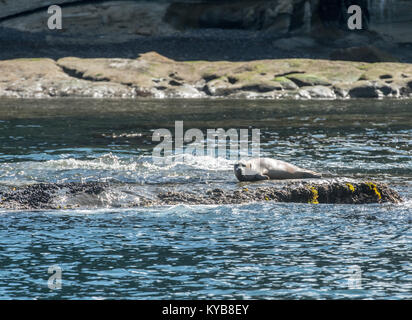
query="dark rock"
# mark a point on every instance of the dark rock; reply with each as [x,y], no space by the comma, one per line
[42,196]
[175,83]
[385,76]
[48,196]
[362,54]
[386,90]
[298,192]
[253,15]
[364,91]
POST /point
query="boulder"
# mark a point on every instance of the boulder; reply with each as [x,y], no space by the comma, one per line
[307,79]
[364,89]
[317,92]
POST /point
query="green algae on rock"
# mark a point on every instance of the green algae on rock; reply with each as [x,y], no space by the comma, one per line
[153,75]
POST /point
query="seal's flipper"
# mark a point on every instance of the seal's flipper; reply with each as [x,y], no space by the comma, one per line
[261,177]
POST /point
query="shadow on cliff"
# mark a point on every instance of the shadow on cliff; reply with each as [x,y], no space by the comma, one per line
[212,33]
[215,46]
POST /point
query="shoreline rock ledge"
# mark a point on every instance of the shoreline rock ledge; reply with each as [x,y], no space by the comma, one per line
[155,76]
[95,194]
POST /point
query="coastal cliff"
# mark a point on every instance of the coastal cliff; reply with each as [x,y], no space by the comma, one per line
[278,49]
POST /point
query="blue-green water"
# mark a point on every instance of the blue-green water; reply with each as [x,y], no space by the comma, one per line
[260,250]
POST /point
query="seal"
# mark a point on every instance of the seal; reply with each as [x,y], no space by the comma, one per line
[266,169]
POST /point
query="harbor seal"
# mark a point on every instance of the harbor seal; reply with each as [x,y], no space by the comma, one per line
[266,169]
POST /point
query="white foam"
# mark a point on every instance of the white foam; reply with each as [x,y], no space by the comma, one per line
[193,161]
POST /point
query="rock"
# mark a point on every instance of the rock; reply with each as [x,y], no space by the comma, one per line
[12,7]
[128,18]
[392,19]
[185,91]
[46,196]
[262,87]
[219,88]
[152,75]
[275,15]
[106,22]
[332,191]
[364,54]
[341,92]
[304,79]
[364,89]
[387,90]
[43,78]
[286,83]
[317,92]
[305,94]
[74,195]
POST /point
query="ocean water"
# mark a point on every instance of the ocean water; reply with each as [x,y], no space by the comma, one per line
[107,249]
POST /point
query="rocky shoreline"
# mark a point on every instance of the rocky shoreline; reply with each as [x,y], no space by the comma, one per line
[81,195]
[155,76]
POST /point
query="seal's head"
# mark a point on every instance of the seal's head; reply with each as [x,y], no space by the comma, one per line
[243,171]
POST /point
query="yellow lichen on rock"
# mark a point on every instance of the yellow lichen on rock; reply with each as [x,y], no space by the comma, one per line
[351,187]
[315,196]
[373,187]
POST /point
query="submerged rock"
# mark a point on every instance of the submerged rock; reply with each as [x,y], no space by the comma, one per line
[92,194]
